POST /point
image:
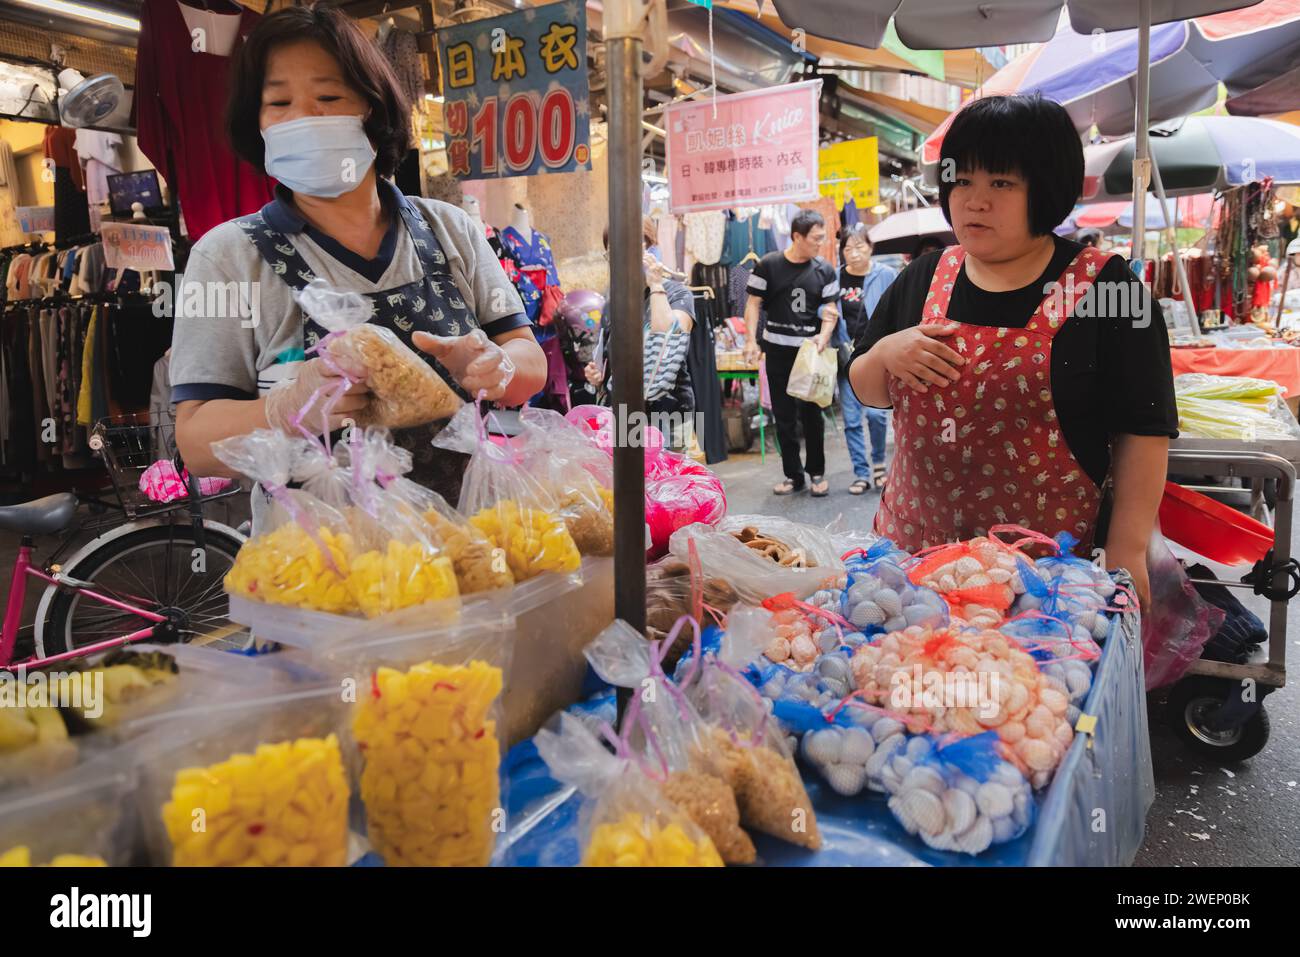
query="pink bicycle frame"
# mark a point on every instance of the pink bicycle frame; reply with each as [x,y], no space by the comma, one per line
[23,567]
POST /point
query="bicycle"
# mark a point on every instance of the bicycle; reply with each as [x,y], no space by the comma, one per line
[156,576]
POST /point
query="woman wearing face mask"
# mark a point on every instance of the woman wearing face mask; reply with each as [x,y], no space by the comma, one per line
[314,104]
[1029,380]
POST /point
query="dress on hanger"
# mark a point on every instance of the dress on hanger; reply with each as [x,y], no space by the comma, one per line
[180,98]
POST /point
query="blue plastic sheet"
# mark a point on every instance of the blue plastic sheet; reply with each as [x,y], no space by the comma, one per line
[1092,814]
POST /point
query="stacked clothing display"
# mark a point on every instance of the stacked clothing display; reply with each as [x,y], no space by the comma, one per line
[180,99]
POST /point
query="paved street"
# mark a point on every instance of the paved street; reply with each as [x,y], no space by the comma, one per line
[1248,814]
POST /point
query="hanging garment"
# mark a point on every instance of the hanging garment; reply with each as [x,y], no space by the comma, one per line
[716,277]
[36,369]
[430,304]
[87,369]
[1008,463]
[180,99]
[737,293]
[101,154]
[402,51]
[71,211]
[701,362]
[705,234]
[536,263]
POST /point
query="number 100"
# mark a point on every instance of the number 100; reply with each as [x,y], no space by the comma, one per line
[552,127]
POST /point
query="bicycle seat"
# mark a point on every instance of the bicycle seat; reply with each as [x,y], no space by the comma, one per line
[45,516]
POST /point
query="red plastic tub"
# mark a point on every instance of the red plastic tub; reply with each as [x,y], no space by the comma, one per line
[1217,531]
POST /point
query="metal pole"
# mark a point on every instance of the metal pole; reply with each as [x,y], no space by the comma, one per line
[1142,152]
[626,304]
[1181,269]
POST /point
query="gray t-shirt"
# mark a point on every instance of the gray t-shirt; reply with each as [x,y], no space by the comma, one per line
[239,332]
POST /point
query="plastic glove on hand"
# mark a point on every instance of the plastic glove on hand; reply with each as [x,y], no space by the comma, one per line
[482,367]
[287,401]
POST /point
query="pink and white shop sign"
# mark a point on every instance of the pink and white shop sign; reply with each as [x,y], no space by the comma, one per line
[759,148]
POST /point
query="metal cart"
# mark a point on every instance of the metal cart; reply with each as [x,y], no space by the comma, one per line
[1217,708]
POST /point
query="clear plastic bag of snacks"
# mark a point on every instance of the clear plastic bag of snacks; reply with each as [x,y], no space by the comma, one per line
[506,503]
[405,389]
[626,819]
[401,562]
[258,781]
[756,759]
[751,573]
[480,566]
[425,720]
[665,732]
[302,551]
[578,474]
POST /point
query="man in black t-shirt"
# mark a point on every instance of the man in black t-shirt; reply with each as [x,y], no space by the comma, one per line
[798,289]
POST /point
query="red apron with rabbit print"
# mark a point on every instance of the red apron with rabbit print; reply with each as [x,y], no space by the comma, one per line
[987,449]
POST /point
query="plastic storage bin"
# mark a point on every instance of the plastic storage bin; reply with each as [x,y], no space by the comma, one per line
[240,822]
[425,725]
[86,812]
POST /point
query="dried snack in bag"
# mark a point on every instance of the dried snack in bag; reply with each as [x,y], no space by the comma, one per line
[479,564]
[405,389]
[626,820]
[755,758]
[578,474]
[302,554]
[666,734]
[506,503]
[401,563]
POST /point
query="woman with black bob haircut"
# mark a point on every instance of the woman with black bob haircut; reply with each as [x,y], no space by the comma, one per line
[1029,377]
[314,105]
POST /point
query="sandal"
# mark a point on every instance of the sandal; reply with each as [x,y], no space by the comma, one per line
[859,486]
[878,474]
[787,487]
[820,481]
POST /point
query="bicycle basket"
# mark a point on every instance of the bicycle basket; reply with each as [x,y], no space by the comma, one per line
[128,444]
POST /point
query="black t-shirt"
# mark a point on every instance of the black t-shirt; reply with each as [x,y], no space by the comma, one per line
[792,293]
[851,307]
[1110,371]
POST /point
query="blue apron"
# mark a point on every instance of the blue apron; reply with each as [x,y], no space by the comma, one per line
[430,304]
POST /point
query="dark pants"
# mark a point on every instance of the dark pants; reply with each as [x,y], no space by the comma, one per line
[790,413]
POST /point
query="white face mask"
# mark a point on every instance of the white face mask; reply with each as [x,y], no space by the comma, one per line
[324,156]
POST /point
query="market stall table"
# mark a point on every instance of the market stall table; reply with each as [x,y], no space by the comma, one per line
[1108,766]
[748,374]
[1280,365]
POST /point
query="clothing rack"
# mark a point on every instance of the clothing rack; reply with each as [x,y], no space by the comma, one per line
[124,297]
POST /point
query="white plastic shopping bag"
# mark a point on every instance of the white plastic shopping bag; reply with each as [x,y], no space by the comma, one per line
[813,376]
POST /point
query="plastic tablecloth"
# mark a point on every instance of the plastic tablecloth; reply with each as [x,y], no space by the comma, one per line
[1281,365]
[1093,813]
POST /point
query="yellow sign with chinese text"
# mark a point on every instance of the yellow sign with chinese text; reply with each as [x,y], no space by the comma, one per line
[851,169]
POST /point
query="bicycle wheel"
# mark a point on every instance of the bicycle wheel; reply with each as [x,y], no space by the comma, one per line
[155,568]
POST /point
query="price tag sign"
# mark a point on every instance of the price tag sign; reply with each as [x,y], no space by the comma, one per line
[515,89]
[35,219]
[127,246]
